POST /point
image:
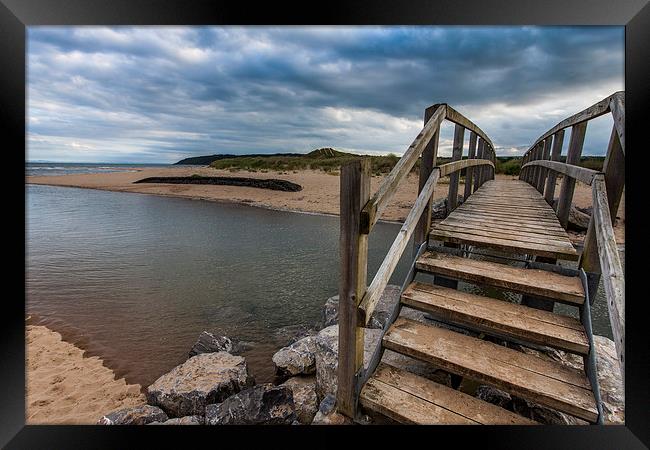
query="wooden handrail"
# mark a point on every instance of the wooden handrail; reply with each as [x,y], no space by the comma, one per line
[617,100]
[610,264]
[455,166]
[379,282]
[456,117]
[576,172]
[378,202]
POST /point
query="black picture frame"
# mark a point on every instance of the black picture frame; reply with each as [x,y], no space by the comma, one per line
[16,15]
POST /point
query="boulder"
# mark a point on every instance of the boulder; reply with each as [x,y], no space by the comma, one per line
[297,358]
[140,415]
[187,420]
[439,208]
[542,414]
[495,396]
[305,399]
[209,343]
[578,220]
[263,404]
[327,344]
[288,335]
[380,315]
[327,414]
[201,380]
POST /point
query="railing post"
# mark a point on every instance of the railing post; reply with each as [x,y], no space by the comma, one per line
[536,170]
[479,169]
[494,161]
[353,249]
[558,140]
[427,163]
[457,154]
[470,170]
[614,169]
[568,184]
[543,173]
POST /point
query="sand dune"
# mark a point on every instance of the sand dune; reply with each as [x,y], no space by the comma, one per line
[64,387]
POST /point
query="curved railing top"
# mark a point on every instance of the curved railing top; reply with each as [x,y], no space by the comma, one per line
[615,104]
[456,117]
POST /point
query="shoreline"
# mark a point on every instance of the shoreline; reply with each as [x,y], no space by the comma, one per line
[64,385]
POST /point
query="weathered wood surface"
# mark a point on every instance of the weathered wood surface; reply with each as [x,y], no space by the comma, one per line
[497,317]
[617,106]
[544,172]
[568,184]
[551,180]
[353,250]
[534,282]
[610,264]
[379,282]
[411,399]
[548,383]
[454,116]
[454,177]
[581,174]
[507,204]
[456,166]
[469,171]
[379,201]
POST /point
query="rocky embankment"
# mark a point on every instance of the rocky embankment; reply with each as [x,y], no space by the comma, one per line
[214,387]
[266,183]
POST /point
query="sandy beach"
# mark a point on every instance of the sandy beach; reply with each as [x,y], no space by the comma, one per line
[64,387]
[320,193]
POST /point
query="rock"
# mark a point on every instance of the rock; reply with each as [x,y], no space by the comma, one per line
[495,396]
[417,367]
[327,414]
[187,420]
[578,220]
[297,358]
[305,399]
[439,208]
[380,315]
[610,381]
[288,335]
[263,404]
[542,414]
[327,344]
[140,415]
[209,343]
[201,380]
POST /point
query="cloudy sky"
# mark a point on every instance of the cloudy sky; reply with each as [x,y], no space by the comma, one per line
[159,94]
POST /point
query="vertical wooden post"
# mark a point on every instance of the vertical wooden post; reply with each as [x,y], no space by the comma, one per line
[546,152]
[479,169]
[470,170]
[353,249]
[536,170]
[558,140]
[568,184]
[522,172]
[494,161]
[614,169]
[457,154]
[427,163]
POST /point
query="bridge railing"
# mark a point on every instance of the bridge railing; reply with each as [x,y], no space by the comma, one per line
[359,212]
[540,168]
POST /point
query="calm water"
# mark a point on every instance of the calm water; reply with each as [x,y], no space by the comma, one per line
[135,278]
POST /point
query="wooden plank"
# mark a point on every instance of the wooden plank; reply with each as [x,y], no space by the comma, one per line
[581,174]
[610,264]
[498,204]
[497,317]
[470,170]
[455,166]
[547,383]
[504,212]
[501,233]
[617,106]
[454,116]
[504,226]
[551,180]
[457,154]
[441,396]
[353,250]
[377,204]
[379,282]
[478,171]
[568,183]
[545,156]
[534,282]
[508,245]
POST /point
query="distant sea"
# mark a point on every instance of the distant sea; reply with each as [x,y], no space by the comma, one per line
[55,168]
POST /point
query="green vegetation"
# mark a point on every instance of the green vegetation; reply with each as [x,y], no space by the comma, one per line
[329,161]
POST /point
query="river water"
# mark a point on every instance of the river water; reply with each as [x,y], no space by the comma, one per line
[135,278]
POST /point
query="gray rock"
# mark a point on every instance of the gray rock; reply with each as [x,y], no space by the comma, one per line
[327,414]
[578,220]
[187,420]
[439,208]
[542,414]
[297,358]
[305,399]
[380,315]
[201,380]
[417,367]
[209,343]
[263,404]
[327,344]
[495,396]
[140,415]
[288,335]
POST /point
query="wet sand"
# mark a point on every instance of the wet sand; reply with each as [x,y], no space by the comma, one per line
[65,387]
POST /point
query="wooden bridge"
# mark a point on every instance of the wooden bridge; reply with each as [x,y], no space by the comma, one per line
[504,237]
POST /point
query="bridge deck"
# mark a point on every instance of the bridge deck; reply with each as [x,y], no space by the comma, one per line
[511,216]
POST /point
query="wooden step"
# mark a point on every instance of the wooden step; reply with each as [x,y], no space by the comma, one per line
[548,383]
[411,399]
[533,282]
[497,317]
